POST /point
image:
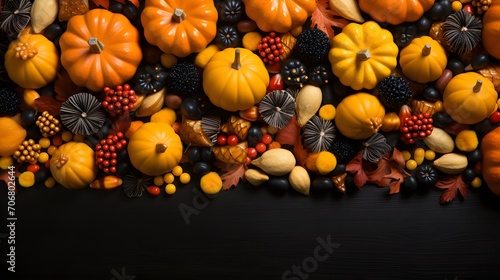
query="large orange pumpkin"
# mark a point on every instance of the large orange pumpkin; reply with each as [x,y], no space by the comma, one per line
[279,15]
[100,49]
[490,165]
[395,11]
[491,29]
[179,27]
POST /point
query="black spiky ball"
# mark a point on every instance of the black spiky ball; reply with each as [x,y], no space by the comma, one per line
[10,102]
[394,92]
[184,79]
[312,46]
[345,149]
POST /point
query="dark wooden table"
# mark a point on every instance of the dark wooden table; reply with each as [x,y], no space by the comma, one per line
[249,233]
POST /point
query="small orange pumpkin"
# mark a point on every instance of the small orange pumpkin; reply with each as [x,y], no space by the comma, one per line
[395,12]
[469,98]
[279,15]
[491,29]
[490,163]
[179,27]
[32,61]
[155,148]
[99,49]
[359,115]
[73,165]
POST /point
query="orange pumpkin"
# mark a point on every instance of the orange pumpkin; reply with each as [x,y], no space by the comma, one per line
[100,49]
[491,29]
[359,115]
[179,27]
[32,61]
[395,12]
[279,15]
[469,98]
[490,164]
[14,136]
[155,148]
[73,165]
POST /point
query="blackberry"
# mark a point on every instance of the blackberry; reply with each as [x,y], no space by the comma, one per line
[394,92]
[10,102]
[345,149]
[312,46]
[184,79]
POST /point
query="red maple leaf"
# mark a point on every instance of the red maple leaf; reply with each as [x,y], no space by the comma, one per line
[233,175]
[325,18]
[355,166]
[452,185]
[290,135]
[64,87]
[378,176]
[49,104]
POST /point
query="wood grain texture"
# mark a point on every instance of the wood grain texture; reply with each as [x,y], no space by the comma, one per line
[248,233]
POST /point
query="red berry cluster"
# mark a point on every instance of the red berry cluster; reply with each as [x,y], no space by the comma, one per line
[106,152]
[270,48]
[416,127]
[119,101]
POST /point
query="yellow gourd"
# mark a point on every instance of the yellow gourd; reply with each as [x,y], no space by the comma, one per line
[14,135]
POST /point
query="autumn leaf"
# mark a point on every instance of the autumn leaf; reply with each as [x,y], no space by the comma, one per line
[135,2]
[49,104]
[325,18]
[451,185]
[355,167]
[64,87]
[290,135]
[121,123]
[233,175]
[378,175]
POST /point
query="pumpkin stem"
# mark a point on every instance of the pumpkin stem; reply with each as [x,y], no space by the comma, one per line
[25,51]
[62,159]
[426,50]
[178,15]
[96,46]
[375,124]
[237,63]
[363,55]
[477,86]
[161,148]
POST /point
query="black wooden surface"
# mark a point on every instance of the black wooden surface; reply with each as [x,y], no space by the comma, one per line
[249,233]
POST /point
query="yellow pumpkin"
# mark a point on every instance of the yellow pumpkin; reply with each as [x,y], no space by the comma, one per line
[100,49]
[235,79]
[32,61]
[423,60]
[469,98]
[73,165]
[362,55]
[14,135]
[155,148]
[359,115]
[179,27]
[279,15]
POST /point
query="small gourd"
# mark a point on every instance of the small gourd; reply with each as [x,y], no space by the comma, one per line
[359,115]
[14,135]
[277,162]
[73,165]
[235,79]
[423,60]
[211,183]
[362,55]
[469,98]
[155,148]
